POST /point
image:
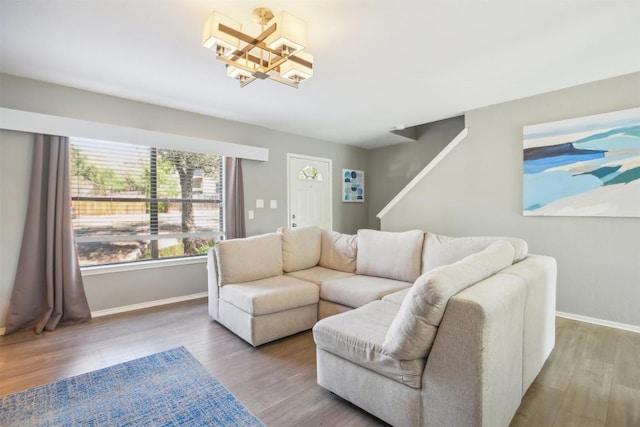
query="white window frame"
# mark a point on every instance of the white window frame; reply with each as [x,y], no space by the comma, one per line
[95,270]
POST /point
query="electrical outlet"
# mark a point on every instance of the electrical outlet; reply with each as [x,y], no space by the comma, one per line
[274,204]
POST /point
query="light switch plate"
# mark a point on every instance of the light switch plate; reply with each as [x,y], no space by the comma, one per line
[250,214]
[274,204]
[259,203]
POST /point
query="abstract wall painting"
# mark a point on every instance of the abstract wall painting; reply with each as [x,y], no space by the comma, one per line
[352,185]
[588,166]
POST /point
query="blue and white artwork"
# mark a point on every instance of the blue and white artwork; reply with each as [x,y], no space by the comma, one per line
[588,166]
[352,185]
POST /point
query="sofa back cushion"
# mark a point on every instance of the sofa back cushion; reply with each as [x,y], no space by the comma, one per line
[390,255]
[412,331]
[248,259]
[338,251]
[300,248]
[441,250]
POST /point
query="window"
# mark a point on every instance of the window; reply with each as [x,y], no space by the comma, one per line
[309,173]
[133,203]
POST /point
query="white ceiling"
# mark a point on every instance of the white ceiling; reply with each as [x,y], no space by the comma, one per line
[377,63]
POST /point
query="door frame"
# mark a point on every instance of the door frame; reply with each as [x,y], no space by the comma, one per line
[312,158]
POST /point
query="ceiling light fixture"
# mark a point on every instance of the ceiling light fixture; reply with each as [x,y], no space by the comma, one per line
[276,53]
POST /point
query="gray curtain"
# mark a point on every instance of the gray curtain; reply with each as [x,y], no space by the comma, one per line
[48,288]
[234,199]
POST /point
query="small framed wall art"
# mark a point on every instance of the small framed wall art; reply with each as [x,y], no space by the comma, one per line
[352,185]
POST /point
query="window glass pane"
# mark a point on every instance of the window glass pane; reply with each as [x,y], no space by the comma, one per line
[135,202]
[309,173]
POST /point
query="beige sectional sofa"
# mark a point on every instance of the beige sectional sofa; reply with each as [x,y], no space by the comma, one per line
[415,328]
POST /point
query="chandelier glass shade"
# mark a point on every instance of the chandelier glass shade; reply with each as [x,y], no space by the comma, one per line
[277,53]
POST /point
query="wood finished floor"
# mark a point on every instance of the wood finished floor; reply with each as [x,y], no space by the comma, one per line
[591,379]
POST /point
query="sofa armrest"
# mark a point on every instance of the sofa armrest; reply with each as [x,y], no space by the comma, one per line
[473,375]
[212,281]
[539,274]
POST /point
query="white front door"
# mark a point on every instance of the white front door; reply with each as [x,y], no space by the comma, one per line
[309,191]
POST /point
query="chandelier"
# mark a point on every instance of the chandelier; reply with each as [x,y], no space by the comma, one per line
[276,53]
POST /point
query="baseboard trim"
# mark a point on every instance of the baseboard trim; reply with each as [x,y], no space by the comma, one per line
[600,322]
[148,304]
[140,306]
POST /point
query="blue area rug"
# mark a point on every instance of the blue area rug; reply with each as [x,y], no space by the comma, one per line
[165,389]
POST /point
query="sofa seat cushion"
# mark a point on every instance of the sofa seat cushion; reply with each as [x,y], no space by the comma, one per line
[356,291]
[441,250]
[318,275]
[388,254]
[396,297]
[412,332]
[270,295]
[357,336]
[248,259]
[300,248]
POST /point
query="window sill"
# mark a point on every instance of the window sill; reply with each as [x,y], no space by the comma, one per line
[141,265]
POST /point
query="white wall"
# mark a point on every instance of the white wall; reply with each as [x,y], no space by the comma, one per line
[265,180]
[477,190]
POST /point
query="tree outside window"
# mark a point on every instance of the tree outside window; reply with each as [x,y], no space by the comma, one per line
[134,203]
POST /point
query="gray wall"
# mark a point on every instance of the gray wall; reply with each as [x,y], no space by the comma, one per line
[477,190]
[392,167]
[15,166]
[265,180]
[104,291]
[268,181]
[262,180]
